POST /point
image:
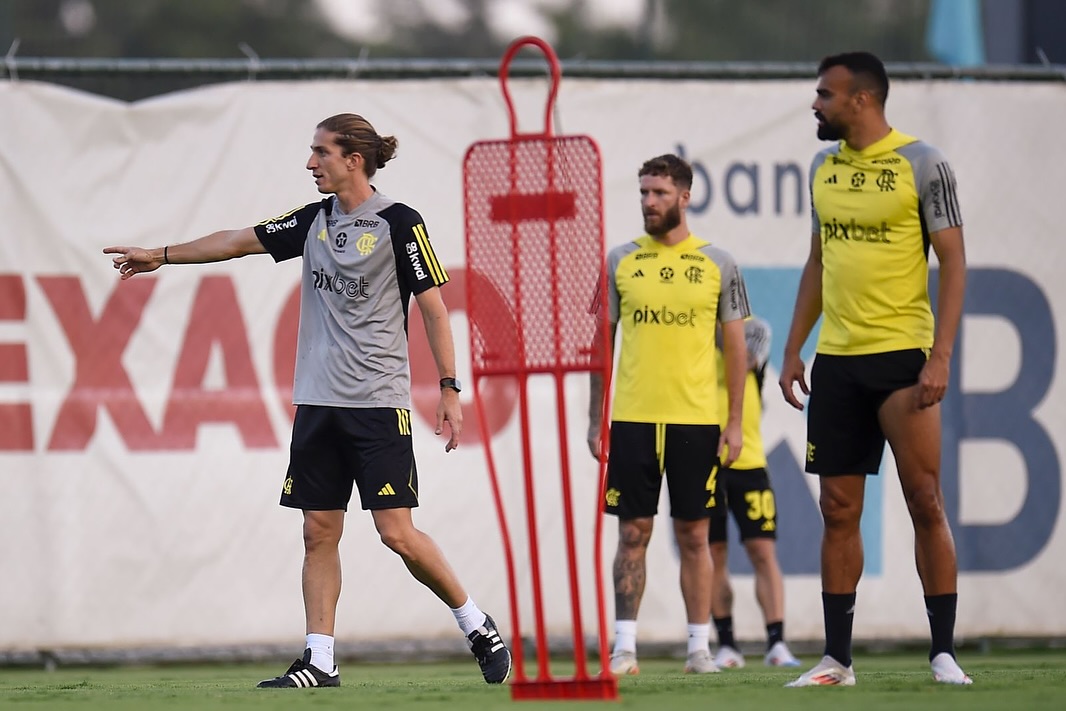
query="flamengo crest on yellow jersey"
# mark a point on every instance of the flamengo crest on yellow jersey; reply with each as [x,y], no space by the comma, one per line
[666,301]
[873,211]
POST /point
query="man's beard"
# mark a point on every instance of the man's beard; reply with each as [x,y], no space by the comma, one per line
[828,131]
[668,221]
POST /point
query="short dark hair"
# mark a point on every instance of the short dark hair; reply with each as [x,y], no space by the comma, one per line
[669,166]
[868,70]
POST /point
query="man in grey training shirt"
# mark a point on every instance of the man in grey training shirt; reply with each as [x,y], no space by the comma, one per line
[364,255]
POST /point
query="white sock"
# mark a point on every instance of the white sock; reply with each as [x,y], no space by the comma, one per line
[699,638]
[625,636]
[469,616]
[321,646]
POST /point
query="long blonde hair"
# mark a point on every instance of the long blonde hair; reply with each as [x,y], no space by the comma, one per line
[354,134]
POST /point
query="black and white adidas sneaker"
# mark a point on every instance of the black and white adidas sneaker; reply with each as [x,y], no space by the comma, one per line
[491,653]
[302,675]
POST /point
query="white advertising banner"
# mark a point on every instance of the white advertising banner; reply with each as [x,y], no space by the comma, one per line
[144,425]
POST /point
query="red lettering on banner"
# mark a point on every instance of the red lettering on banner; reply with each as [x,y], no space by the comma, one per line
[16,419]
[285,337]
[216,319]
[13,365]
[100,380]
[499,395]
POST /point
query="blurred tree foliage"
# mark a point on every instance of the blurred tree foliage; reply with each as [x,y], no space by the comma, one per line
[716,30]
[708,30]
[783,30]
[183,29]
[168,28]
[712,30]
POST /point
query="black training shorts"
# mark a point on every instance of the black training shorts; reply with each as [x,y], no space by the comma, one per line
[749,497]
[336,447]
[843,432]
[640,454]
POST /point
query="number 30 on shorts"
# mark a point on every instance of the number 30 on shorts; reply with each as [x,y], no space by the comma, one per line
[761,504]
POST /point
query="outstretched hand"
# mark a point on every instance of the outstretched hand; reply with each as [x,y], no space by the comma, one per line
[133,260]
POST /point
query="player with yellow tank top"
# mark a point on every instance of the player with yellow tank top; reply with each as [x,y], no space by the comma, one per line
[757,340]
[747,494]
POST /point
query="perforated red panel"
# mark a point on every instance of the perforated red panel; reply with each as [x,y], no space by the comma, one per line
[535,251]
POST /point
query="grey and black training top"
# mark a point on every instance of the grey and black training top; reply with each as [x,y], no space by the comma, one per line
[359,272]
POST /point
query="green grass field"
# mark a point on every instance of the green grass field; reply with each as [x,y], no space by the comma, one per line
[1003,680]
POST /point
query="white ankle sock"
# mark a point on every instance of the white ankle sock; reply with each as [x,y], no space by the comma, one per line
[469,616]
[699,638]
[625,636]
[321,646]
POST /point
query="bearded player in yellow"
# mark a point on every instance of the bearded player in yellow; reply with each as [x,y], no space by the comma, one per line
[880,199]
[668,291]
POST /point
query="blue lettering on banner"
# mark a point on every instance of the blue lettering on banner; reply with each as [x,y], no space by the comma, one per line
[1003,416]
[1006,415]
[742,187]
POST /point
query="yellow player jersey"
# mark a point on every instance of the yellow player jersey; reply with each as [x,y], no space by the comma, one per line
[874,210]
[757,338]
[666,301]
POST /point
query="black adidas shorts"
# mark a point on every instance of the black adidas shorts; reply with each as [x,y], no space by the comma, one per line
[843,432]
[749,497]
[336,447]
[640,454]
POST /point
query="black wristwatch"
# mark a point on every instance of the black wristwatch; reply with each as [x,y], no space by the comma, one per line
[452,383]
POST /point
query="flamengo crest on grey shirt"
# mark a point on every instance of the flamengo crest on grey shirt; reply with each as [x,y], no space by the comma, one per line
[359,272]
